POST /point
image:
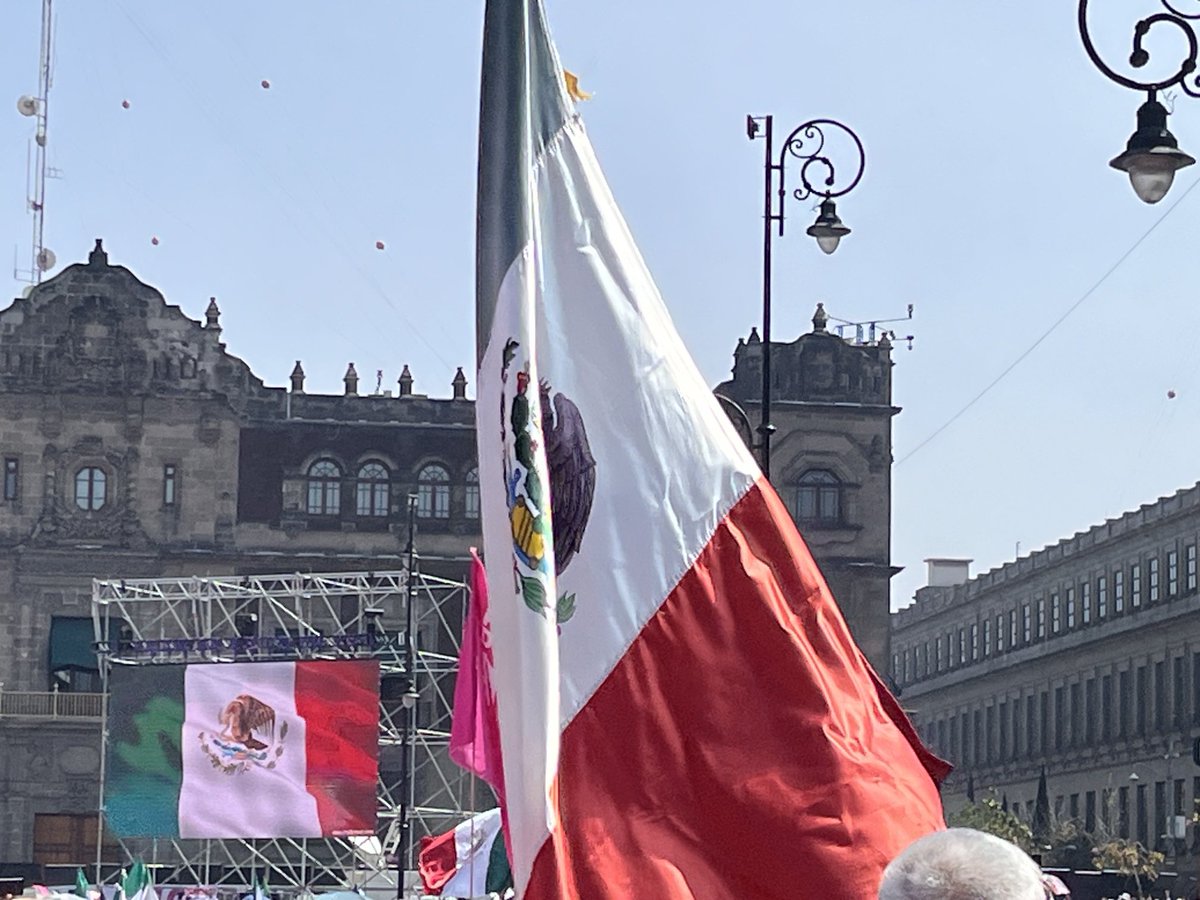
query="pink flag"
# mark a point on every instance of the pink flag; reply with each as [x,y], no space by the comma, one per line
[475,726]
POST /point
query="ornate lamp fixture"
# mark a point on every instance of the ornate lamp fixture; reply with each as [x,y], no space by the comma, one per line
[1152,155]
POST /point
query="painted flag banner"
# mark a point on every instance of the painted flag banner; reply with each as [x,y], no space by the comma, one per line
[467,862]
[243,750]
[683,712]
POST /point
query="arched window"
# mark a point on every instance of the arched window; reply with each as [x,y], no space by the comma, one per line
[372,493]
[90,488]
[473,494]
[433,493]
[324,488]
[819,497]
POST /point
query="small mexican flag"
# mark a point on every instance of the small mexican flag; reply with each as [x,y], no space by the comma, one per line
[138,885]
[82,888]
[258,888]
[467,862]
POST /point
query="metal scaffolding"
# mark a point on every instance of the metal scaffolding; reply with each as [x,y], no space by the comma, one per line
[147,622]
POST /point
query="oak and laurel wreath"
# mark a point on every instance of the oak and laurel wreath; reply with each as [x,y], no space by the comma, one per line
[243,766]
[533,592]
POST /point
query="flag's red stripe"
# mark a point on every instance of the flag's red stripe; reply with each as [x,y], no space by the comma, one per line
[339,702]
[742,747]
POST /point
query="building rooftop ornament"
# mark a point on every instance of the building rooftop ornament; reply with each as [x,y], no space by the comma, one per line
[212,315]
[820,319]
[459,384]
[351,380]
[298,379]
[754,338]
[98,257]
[406,382]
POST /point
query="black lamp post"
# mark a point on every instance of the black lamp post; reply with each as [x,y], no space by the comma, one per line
[1152,155]
[818,178]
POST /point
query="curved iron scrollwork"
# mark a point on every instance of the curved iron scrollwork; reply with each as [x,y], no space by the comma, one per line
[818,175]
[1140,56]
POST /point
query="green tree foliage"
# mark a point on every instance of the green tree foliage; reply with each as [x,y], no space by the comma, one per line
[1129,858]
[1068,845]
[988,815]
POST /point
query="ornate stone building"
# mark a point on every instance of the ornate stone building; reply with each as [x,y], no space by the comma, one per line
[831,460]
[1081,659]
[134,445]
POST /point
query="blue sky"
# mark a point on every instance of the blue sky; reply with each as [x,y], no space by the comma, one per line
[987,203]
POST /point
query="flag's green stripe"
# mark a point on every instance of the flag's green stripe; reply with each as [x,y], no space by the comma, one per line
[499,875]
[144,768]
[523,103]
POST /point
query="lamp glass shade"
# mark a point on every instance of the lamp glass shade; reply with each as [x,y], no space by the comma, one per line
[1151,185]
[828,242]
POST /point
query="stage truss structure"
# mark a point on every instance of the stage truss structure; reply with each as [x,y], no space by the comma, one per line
[147,622]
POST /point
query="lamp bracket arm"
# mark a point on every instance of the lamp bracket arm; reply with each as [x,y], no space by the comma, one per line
[1140,57]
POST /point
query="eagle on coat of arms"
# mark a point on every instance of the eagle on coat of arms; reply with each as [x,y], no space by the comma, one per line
[567,487]
[235,748]
[241,716]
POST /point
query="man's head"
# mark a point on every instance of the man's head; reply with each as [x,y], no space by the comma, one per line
[961,864]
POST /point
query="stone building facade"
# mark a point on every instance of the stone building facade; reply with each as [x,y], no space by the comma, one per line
[831,460]
[1081,659]
[134,445]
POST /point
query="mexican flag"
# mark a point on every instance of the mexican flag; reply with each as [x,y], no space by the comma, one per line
[244,750]
[682,710]
[137,884]
[469,861]
[258,889]
[82,888]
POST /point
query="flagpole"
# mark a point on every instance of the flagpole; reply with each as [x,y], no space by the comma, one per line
[404,858]
[102,654]
[765,428]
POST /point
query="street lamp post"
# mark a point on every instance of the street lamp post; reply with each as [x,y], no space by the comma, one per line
[1152,155]
[818,178]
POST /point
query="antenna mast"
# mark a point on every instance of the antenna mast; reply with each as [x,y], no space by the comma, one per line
[37,108]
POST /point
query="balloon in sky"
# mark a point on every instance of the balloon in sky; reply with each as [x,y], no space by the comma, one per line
[124,104]
[1170,395]
[266,84]
[154,241]
[379,245]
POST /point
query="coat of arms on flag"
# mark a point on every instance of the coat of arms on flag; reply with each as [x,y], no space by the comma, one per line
[236,749]
[550,493]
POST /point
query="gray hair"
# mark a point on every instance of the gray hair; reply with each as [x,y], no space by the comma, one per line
[962,864]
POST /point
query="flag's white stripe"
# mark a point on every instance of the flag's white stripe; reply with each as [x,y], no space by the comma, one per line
[526,670]
[669,465]
[260,801]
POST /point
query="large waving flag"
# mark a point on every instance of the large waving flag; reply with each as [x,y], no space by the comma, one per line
[683,713]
